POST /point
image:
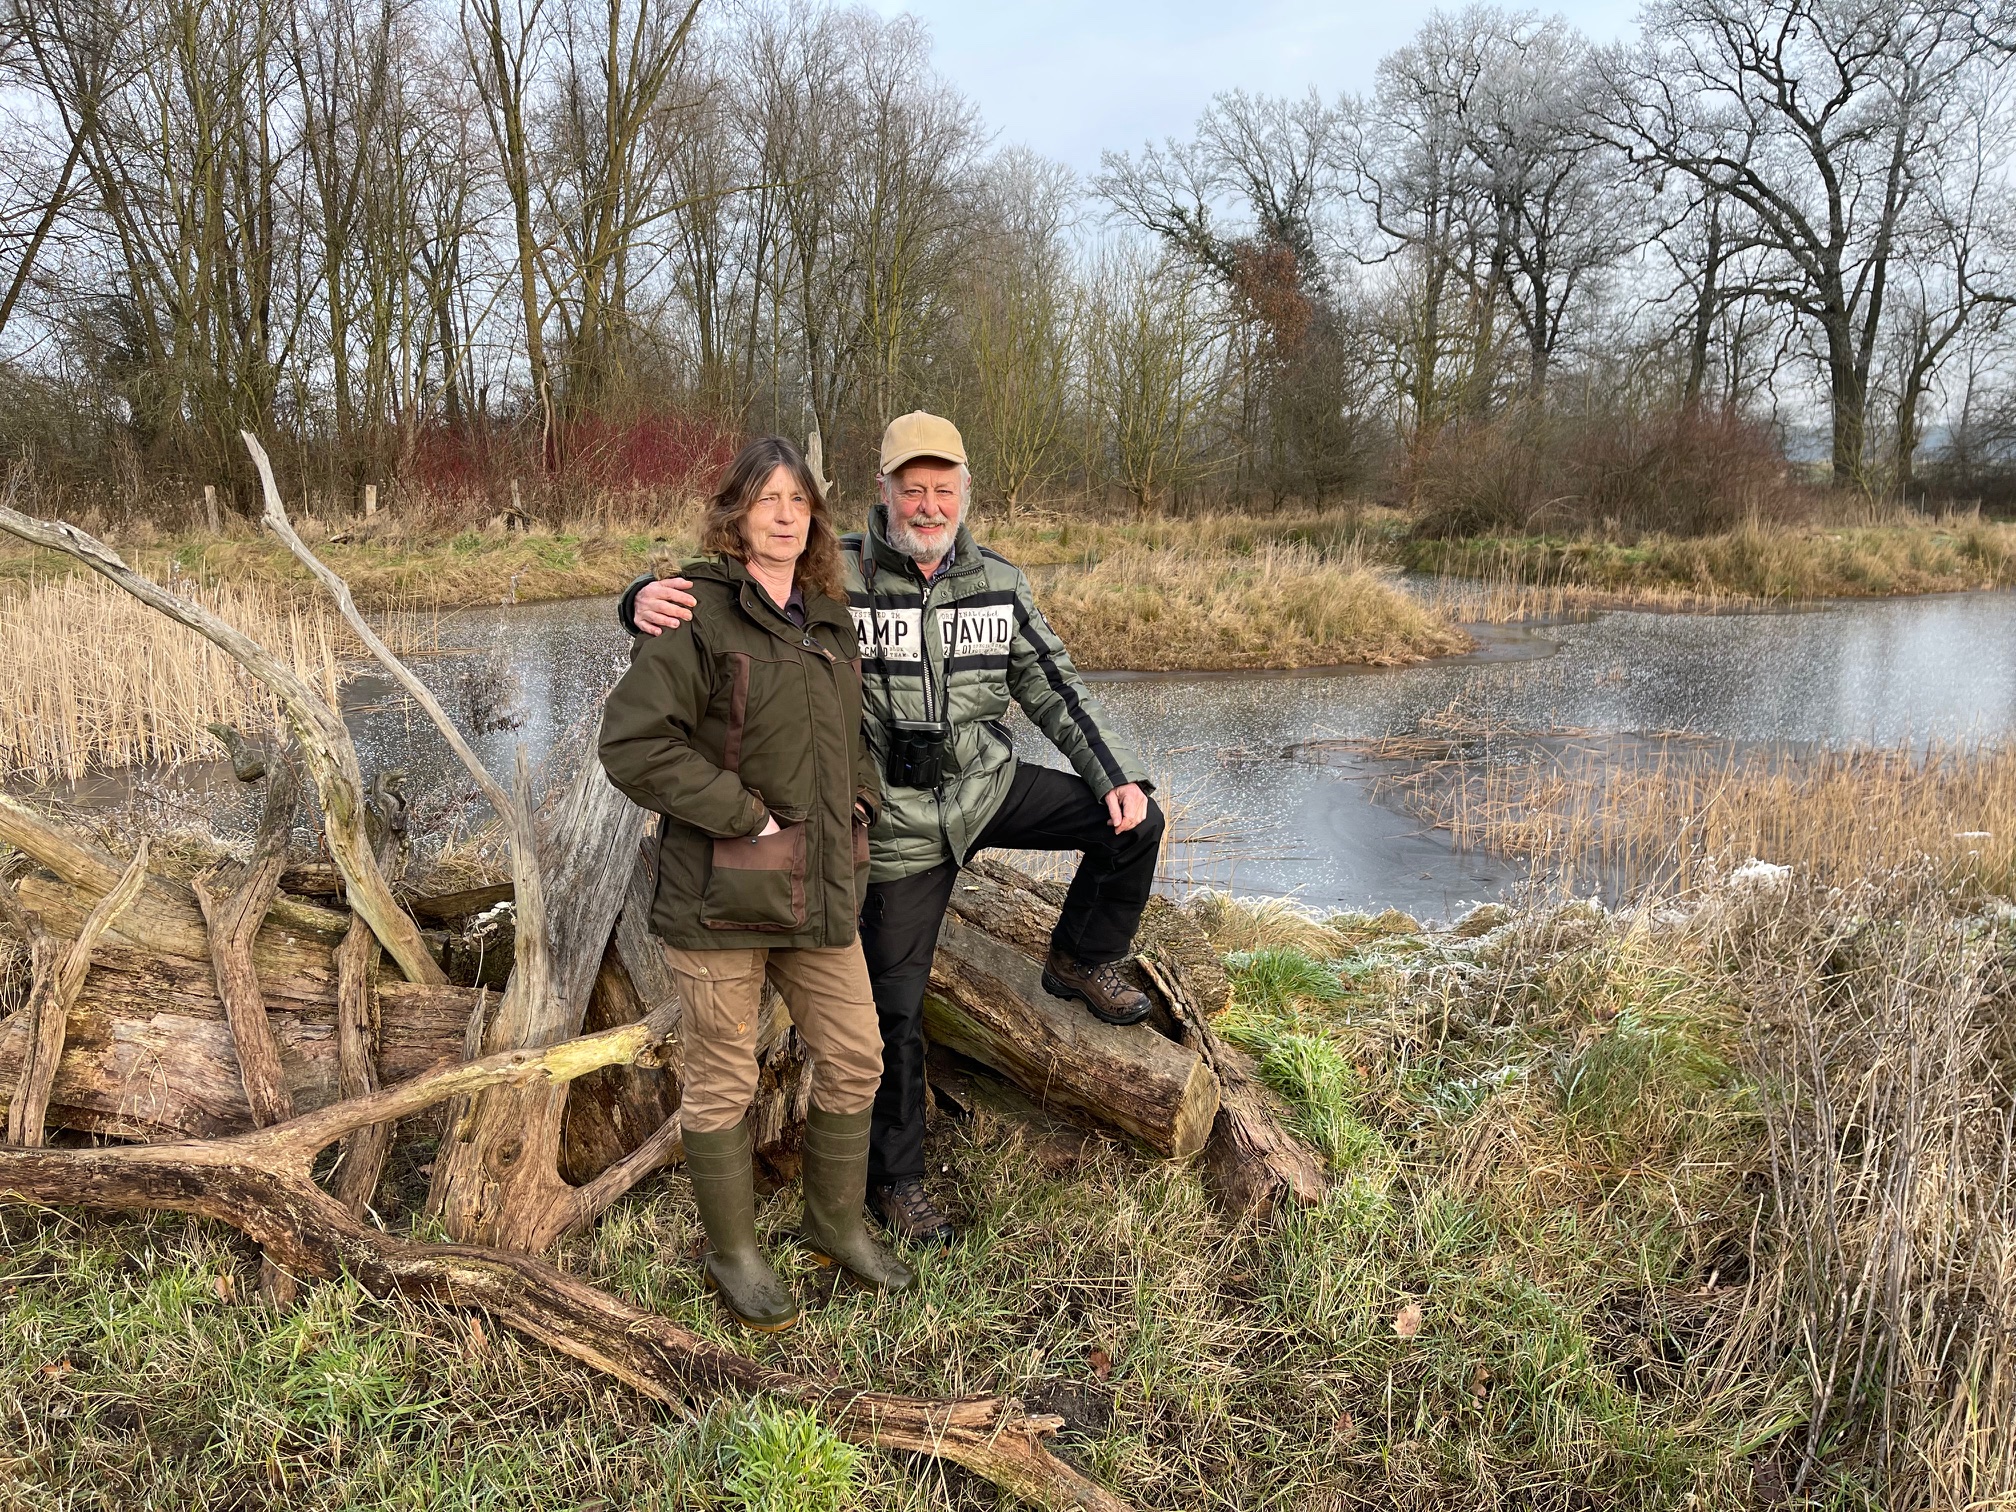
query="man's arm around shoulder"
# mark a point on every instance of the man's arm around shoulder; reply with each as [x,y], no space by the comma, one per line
[651,605]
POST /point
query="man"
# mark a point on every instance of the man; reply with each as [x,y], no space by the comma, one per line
[949,633]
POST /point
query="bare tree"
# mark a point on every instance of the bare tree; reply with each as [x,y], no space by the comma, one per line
[1407,153]
[1153,373]
[504,49]
[1018,301]
[1808,114]
[605,176]
[1961,269]
[1563,211]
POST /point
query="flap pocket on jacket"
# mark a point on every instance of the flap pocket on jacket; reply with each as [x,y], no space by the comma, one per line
[757,883]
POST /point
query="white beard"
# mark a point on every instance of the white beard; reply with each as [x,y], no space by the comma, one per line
[923,552]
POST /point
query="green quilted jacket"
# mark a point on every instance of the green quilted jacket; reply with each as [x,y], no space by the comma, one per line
[960,650]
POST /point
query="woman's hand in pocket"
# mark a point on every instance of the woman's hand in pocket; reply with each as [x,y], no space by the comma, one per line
[770,827]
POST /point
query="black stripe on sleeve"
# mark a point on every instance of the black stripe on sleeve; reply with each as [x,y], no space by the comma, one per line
[1088,728]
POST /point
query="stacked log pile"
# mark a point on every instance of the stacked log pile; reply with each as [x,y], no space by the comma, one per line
[223,1031]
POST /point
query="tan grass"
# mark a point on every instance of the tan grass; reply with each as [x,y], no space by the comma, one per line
[1757,562]
[395,563]
[1879,1034]
[93,678]
[1503,599]
[1283,606]
[1081,534]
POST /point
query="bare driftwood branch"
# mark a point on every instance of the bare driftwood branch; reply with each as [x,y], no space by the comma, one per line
[57,978]
[325,743]
[517,815]
[260,1184]
[234,920]
[497,1178]
[363,1154]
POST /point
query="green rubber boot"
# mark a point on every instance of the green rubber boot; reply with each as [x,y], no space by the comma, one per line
[836,1186]
[724,1190]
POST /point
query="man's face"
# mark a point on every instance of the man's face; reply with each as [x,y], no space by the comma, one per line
[924,499]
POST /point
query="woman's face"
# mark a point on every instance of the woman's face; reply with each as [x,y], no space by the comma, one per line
[778,523]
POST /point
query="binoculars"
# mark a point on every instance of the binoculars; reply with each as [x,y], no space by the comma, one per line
[917,750]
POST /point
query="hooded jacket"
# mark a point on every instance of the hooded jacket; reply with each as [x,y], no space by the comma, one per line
[959,650]
[747,717]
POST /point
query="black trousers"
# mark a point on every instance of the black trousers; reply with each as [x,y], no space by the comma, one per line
[1045,810]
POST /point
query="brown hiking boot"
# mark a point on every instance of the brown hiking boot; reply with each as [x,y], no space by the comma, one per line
[906,1210]
[1111,997]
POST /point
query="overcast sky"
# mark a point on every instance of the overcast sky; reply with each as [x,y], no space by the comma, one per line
[1070,77]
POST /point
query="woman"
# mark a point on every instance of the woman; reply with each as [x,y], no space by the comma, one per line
[746,735]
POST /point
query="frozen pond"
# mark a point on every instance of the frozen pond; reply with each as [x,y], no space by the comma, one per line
[1261,817]
[1220,745]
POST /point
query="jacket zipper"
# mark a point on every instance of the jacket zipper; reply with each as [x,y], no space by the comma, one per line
[931,704]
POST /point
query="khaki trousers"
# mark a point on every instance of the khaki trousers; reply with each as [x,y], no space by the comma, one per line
[827,992]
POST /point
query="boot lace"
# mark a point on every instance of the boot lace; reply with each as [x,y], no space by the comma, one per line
[919,1213]
[1108,979]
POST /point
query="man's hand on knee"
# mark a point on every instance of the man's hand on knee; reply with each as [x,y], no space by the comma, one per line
[1126,806]
[663,605]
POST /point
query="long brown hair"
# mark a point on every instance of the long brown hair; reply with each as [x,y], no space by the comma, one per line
[740,487]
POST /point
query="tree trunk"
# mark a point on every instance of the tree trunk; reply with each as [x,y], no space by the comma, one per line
[497,1180]
[233,922]
[362,1156]
[1847,388]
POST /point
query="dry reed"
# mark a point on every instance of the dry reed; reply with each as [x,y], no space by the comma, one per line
[1755,562]
[1505,599]
[1631,814]
[1880,1041]
[93,678]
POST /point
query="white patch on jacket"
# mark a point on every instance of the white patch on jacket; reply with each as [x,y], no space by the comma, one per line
[983,631]
[895,635]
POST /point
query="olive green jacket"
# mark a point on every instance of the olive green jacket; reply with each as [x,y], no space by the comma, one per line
[748,717]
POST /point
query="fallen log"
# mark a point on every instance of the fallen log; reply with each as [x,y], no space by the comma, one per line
[998,928]
[986,1001]
[164,916]
[56,976]
[259,1183]
[149,1053]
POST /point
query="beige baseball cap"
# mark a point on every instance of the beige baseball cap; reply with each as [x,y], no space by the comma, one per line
[919,434]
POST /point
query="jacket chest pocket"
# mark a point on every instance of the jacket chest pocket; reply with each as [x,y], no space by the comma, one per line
[757,883]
